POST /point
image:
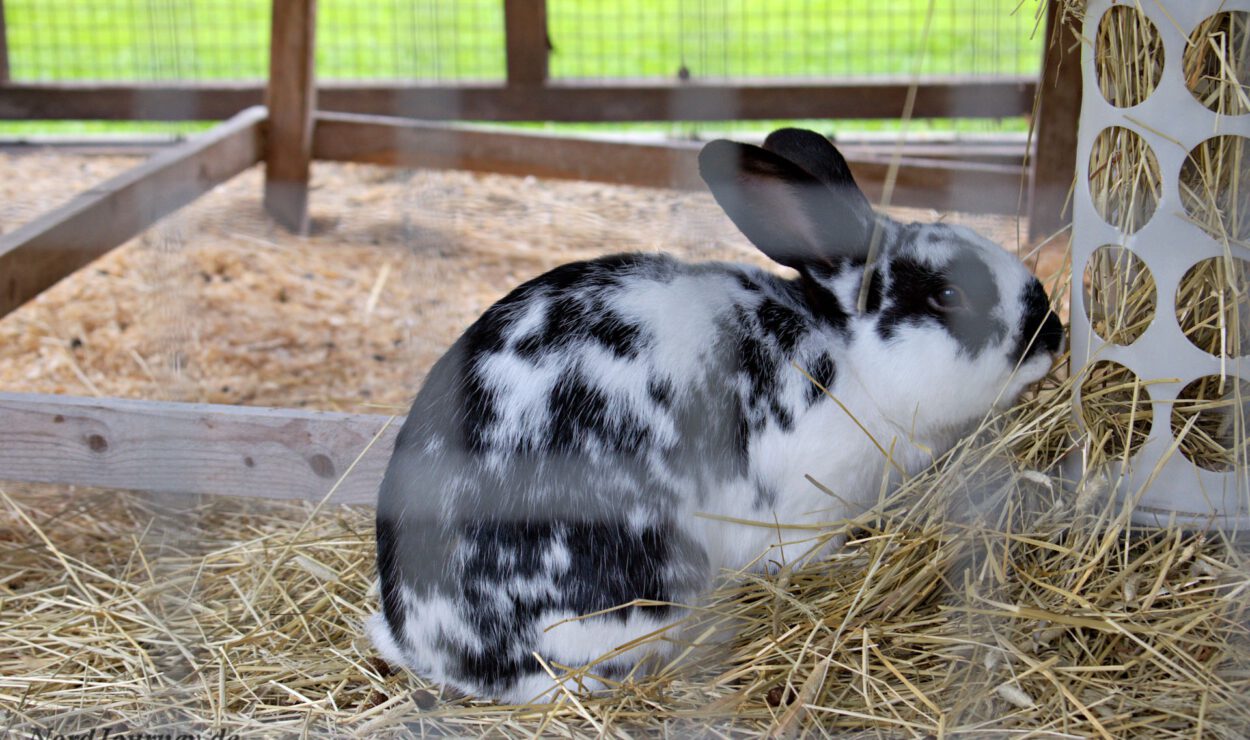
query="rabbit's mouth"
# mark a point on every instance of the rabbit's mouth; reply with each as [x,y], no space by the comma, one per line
[1027,374]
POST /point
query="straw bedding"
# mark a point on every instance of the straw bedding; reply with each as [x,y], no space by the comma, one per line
[982,598]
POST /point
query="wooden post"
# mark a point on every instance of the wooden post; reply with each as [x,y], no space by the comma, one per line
[1058,112]
[292,98]
[525,27]
[4,48]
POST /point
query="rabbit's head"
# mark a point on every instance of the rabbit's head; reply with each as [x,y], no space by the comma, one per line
[952,324]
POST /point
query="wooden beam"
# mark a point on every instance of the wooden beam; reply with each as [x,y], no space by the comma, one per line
[1058,115]
[401,142]
[192,448]
[525,31]
[981,188]
[37,254]
[128,102]
[292,98]
[4,49]
[563,101]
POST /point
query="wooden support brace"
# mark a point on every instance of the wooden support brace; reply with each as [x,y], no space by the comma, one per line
[525,31]
[344,137]
[1058,115]
[193,448]
[563,100]
[292,98]
[38,254]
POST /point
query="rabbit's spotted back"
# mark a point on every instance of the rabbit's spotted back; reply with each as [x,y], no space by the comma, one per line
[585,444]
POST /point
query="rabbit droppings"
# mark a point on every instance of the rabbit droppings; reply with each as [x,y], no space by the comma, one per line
[558,459]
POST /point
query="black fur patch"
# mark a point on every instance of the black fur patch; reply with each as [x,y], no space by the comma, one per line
[609,565]
[661,392]
[624,339]
[783,324]
[821,303]
[823,371]
[579,410]
[1040,329]
[912,284]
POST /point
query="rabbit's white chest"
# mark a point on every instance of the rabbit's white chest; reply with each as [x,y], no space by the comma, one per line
[829,467]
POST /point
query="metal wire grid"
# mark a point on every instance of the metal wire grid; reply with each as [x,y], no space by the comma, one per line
[137,40]
[438,40]
[463,40]
[172,40]
[720,39]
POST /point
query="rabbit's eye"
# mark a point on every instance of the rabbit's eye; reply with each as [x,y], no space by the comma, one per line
[949,298]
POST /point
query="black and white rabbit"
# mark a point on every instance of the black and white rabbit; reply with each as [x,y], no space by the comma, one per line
[558,459]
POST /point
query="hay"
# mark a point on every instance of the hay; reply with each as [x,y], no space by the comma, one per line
[1119,294]
[1217,63]
[1128,56]
[1124,178]
[981,598]
[1216,407]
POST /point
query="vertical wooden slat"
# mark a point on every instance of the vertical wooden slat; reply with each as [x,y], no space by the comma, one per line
[525,27]
[1059,111]
[4,48]
[292,100]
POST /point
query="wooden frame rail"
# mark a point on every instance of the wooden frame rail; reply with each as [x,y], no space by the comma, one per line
[557,101]
[41,252]
[194,448]
[932,183]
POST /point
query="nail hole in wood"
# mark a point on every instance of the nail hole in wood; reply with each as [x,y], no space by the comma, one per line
[322,466]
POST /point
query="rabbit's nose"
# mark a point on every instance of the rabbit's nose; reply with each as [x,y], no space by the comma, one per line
[1051,335]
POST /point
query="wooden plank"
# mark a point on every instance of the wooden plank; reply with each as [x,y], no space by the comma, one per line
[4,48]
[126,102]
[292,98]
[39,253]
[563,101]
[192,448]
[401,142]
[983,188]
[1058,116]
[525,32]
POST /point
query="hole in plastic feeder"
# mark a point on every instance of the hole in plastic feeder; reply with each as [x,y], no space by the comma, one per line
[1128,56]
[1116,409]
[1124,179]
[1217,62]
[1120,298]
[1213,306]
[1217,438]
[1215,187]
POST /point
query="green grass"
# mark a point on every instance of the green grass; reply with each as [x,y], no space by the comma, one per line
[450,40]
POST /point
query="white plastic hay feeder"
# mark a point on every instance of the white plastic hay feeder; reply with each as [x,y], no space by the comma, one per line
[1176,235]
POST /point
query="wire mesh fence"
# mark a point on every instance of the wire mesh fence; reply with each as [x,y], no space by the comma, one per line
[449,40]
[462,41]
[722,39]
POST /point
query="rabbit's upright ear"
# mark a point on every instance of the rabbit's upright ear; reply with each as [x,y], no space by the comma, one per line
[822,160]
[786,211]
